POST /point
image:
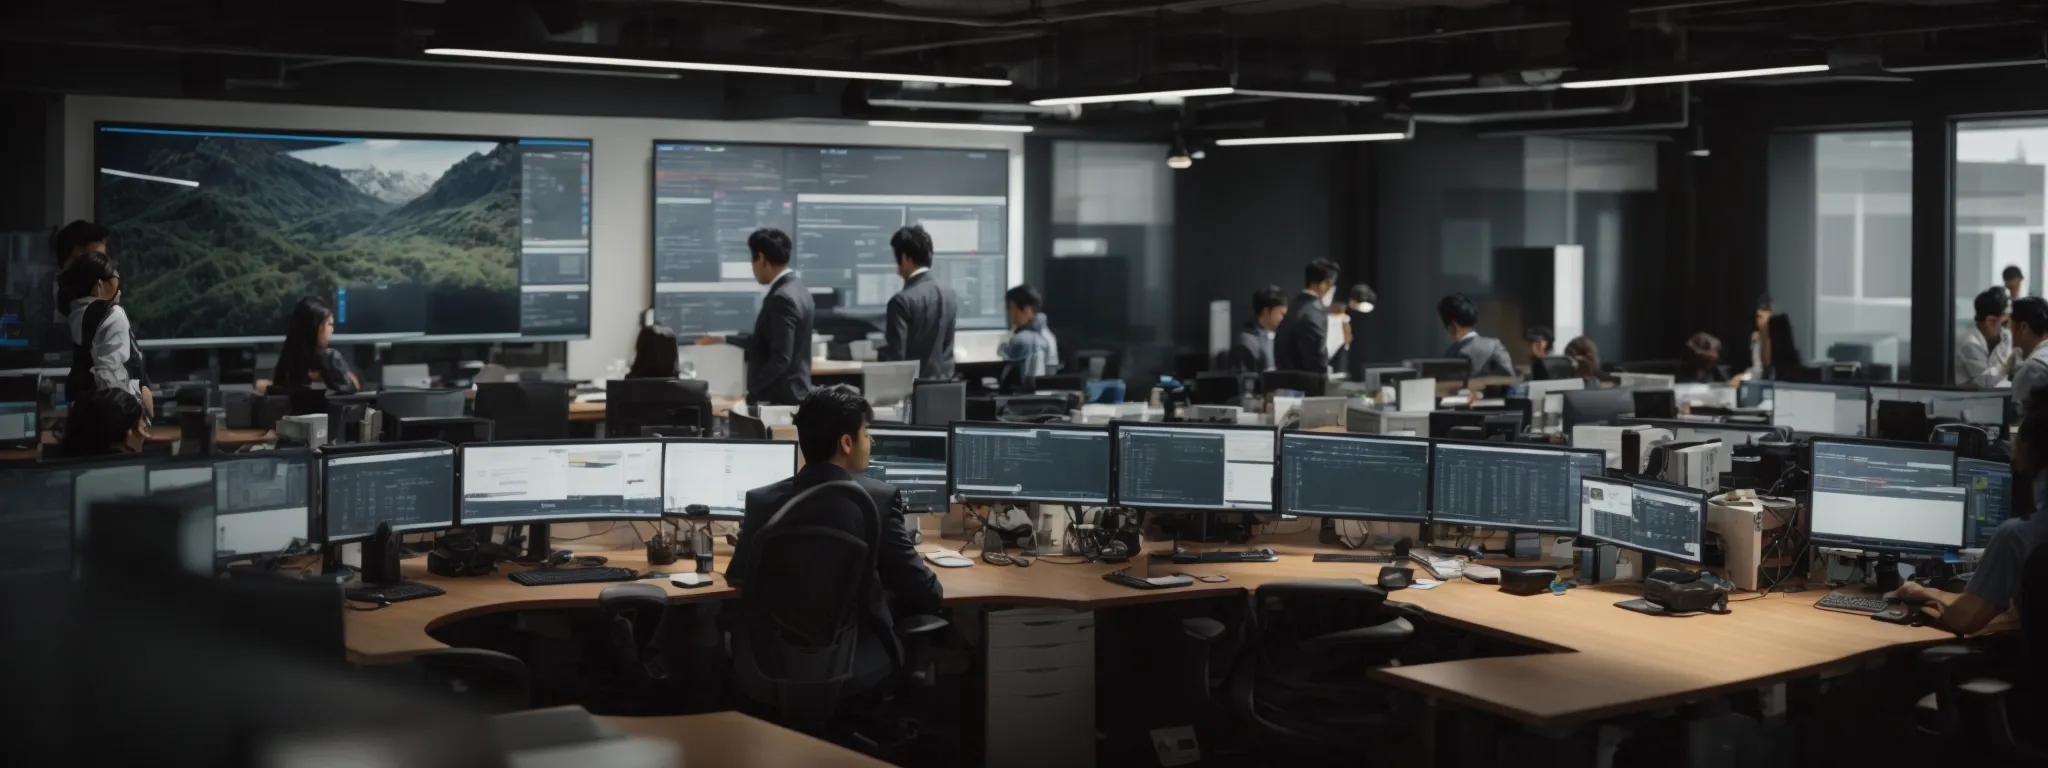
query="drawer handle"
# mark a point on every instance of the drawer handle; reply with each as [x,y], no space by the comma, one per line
[1047,645]
[1043,695]
[1042,623]
[1039,670]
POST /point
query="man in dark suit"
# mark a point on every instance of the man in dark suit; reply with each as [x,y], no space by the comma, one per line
[832,431]
[922,315]
[1252,352]
[1487,356]
[779,349]
[1299,344]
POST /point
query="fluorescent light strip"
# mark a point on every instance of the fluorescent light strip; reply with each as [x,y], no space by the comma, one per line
[147,177]
[952,126]
[696,66]
[1349,98]
[1111,98]
[1269,140]
[1697,76]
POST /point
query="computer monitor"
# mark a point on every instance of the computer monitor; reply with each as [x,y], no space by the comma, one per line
[262,502]
[1656,403]
[1521,488]
[913,459]
[938,403]
[1051,463]
[1821,409]
[18,422]
[1593,406]
[718,473]
[1193,466]
[1988,488]
[1356,477]
[631,404]
[1654,518]
[1441,368]
[409,485]
[1875,495]
[545,481]
[97,480]
[1552,369]
[36,539]
[1975,406]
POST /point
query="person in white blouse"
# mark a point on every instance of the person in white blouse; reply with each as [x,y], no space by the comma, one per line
[1984,352]
[101,342]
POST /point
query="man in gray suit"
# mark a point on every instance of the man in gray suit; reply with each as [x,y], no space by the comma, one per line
[1299,344]
[779,349]
[921,316]
[1253,350]
[1487,355]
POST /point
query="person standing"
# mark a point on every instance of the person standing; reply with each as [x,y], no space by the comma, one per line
[1984,353]
[75,240]
[103,351]
[1252,352]
[779,349]
[1301,342]
[923,315]
[1486,355]
[2015,280]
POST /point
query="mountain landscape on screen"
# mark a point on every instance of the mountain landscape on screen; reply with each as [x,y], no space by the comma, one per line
[218,236]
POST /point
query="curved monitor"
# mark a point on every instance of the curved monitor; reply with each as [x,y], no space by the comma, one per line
[218,232]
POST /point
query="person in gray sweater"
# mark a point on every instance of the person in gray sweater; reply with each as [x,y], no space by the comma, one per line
[1487,355]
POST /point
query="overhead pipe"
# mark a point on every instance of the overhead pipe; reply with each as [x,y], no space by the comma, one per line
[1684,121]
[1536,25]
[1628,102]
[958,21]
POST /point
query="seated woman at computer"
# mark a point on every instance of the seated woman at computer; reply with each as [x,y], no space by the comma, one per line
[103,351]
[306,359]
[1994,587]
[104,422]
[1700,361]
[654,354]
[1585,357]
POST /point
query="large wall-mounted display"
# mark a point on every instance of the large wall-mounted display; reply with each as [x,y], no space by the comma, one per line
[840,205]
[218,232]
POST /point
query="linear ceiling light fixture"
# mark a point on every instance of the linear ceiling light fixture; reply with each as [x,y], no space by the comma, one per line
[1112,98]
[1258,141]
[951,126]
[701,66]
[1693,77]
[1348,98]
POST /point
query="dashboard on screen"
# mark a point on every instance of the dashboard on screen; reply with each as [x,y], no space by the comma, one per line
[839,205]
[218,232]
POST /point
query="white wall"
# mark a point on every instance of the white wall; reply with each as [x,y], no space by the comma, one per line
[622,177]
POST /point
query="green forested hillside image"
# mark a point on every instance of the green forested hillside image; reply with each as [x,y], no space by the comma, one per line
[275,219]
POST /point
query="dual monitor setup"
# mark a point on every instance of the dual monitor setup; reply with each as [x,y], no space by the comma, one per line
[1858,410]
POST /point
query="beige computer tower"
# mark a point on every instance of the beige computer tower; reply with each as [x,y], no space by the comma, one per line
[1744,525]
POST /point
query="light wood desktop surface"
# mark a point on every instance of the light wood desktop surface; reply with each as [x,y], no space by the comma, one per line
[734,740]
[1602,660]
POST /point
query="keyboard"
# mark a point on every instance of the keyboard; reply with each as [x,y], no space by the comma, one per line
[1837,601]
[553,576]
[1226,556]
[1327,557]
[393,593]
[1157,582]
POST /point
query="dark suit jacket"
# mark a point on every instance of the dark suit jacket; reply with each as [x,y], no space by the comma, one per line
[899,569]
[1298,342]
[920,327]
[1252,352]
[1486,354]
[779,349]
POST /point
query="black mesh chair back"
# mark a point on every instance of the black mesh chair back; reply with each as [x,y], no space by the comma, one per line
[422,403]
[744,427]
[800,602]
[525,410]
[634,403]
[938,403]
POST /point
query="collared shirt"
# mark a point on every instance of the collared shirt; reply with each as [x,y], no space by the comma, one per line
[1468,334]
[1981,365]
[777,280]
[2030,374]
[920,271]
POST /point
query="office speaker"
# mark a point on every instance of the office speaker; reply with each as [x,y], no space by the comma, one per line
[1526,581]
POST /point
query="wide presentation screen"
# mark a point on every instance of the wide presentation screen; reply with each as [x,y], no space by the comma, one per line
[218,232]
[840,205]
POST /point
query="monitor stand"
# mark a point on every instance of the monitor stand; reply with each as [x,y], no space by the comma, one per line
[381,582]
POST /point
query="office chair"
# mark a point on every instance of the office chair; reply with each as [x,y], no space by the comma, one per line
[1552,369]
[802,609]
[1666,367]
[1308,383]
[422,403]
[636,624]
[525,410]
[884,384]
[1215,388]
[461,430]
[634,403]
[938,403]
[1099,363]
[1980,713]
[1300,677]
[744,427]
[481,680]
[1656,404]
[1033,409]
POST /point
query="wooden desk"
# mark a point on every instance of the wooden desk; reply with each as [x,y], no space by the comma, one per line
[734,740]
[1602,660]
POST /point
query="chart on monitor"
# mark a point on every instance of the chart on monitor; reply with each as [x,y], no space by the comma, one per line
[219,232]
[839,206]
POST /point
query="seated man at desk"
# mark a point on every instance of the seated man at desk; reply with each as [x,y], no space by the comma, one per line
[832,432]
[1995,585]
[105,422]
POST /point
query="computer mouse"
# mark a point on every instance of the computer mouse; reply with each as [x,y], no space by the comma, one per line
[1020,561]
[1396,577]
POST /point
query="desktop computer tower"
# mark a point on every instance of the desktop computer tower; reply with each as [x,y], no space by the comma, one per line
[1743,526]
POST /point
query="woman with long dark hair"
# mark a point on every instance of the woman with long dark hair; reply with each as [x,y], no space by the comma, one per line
[306,359]
[654,354]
